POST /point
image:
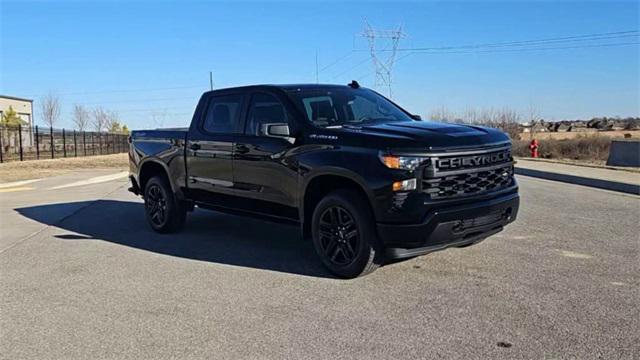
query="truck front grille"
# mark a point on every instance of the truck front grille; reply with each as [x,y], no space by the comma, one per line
[468,174]
[470,183]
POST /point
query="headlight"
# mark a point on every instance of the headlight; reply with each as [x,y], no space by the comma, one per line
[402,162]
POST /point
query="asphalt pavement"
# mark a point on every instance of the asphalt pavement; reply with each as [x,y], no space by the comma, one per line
[83,277]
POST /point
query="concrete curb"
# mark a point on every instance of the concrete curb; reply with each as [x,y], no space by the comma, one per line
[634,170]
[579,180]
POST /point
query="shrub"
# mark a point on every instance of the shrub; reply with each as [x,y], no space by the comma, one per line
[592,148]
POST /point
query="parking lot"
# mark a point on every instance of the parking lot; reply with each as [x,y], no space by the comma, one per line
[83,277]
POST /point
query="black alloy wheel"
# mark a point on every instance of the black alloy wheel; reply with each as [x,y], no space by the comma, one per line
[164,212]
[156,204]
[339,236]
[344,234]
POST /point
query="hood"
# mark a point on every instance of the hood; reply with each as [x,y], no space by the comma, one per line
[430,134]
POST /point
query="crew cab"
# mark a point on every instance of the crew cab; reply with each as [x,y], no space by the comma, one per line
[365,180]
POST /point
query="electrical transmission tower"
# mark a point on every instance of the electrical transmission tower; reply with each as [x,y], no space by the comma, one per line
[383,65]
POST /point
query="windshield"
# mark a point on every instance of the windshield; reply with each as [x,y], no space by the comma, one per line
[334,108]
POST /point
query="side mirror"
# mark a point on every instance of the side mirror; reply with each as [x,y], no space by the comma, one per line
[416,117]
[278,130]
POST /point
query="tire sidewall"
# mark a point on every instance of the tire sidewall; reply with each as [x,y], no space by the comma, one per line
[359,210]
[171,207]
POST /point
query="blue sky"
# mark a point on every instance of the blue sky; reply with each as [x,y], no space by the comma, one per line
[149,61]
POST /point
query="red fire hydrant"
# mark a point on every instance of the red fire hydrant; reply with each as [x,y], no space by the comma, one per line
[534,148]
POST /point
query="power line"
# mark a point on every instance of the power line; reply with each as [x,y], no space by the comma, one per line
[523,49]
[508,50]
[124,91]
[575,38]
[499,51]
[533,42]
[150,111]
[366,60]
[136,100]
[356,65]
[341,58]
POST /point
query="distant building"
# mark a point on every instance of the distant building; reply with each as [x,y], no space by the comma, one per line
[536,126]
[24,107]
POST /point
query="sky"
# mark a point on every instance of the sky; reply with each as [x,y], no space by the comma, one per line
[150,61]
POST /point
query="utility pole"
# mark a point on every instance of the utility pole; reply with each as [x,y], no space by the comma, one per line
[383,66]
[211,79]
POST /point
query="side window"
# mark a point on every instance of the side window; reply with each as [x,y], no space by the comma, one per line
[222,114]
[264,109]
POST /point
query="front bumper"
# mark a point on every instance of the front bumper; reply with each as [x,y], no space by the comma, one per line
[452,226]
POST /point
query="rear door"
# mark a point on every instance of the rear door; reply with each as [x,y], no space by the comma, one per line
[263,173]
[210,148]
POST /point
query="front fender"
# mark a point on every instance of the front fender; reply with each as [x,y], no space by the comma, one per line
[360,165]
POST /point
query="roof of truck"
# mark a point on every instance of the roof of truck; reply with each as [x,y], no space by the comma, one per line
[309,86]
[285,87]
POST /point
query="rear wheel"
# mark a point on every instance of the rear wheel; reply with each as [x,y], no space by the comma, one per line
[344,234]
[164,213]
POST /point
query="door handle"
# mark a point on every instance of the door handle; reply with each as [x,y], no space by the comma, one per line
[194,146]
[242,149]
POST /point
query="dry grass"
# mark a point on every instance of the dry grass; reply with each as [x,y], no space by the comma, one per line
[579,134]
[35,169]
[594,150]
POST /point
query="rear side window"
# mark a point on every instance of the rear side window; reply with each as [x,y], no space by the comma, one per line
[264,109]
[222,114]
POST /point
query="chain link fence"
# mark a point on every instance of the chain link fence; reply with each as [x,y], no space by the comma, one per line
[20,143]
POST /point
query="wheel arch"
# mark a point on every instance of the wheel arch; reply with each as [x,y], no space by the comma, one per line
[322,183]
[151,168]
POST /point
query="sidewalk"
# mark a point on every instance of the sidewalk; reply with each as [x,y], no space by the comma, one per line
[615,180]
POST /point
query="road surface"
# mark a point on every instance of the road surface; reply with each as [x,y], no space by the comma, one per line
[83,277]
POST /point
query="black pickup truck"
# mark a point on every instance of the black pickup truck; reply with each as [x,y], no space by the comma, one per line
[364,179]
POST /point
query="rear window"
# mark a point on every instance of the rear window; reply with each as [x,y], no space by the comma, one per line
[222,114]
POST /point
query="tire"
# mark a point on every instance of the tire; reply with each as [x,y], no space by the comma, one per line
[164,212]
[344,235]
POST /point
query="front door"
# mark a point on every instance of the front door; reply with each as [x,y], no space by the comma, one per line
[262,170]
[210,149]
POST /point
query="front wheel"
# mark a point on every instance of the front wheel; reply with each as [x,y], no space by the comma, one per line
[164,212]
[344,234]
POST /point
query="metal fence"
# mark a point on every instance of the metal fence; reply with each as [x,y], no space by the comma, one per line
[19,143]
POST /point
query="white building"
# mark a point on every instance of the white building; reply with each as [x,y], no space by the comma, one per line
[24,107]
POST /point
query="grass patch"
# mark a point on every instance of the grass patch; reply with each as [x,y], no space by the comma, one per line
[35,169]
[594,149]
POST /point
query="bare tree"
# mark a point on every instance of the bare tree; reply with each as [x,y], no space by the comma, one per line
[159,117]
[100,119]
[50,109]
[470,115]
[81,117]
[442,114]
[533,114]
[487,117]
[113,122]
[508,120]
